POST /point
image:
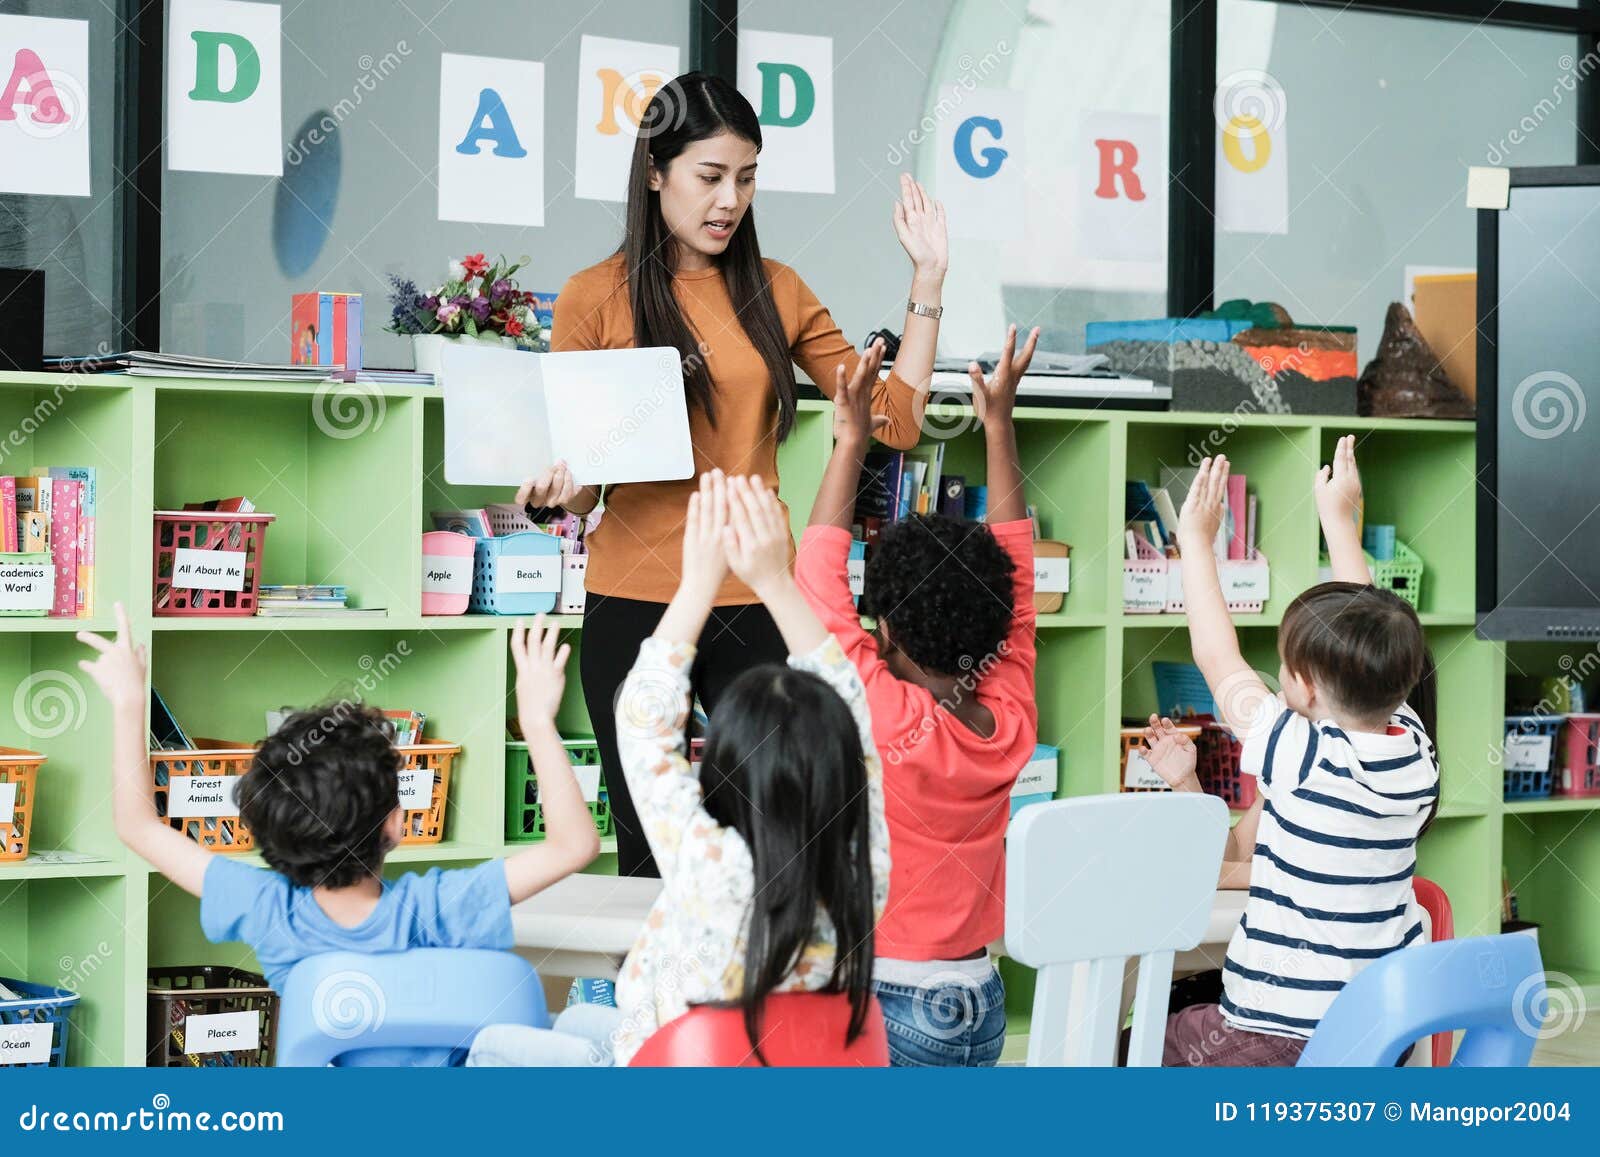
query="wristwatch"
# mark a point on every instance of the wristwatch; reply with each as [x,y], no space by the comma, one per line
[929,311]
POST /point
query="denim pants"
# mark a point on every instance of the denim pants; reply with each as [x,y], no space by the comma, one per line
[949,1020]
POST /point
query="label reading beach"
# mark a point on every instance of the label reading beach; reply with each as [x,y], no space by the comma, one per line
[27,586]
[1137,772]
[219,1032]
[213,570]
[445,574]
[1051,575]
[416,788]
[193,796]
[856,568]
[527,574]
[26,1044]
[1527,752]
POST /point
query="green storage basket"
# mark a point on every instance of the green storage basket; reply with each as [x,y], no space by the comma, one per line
[11,565]
[524,812]
[1402,574]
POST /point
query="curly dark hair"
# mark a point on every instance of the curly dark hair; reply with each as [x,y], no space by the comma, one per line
[317,794]
[945,588]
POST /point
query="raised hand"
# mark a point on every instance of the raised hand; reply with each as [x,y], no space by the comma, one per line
[853,420]
[997,394]
[920,226]
[757,535]
[1201,516]
[541,672]
[119,670]
[1171,754]
[705,562]
[1338,488]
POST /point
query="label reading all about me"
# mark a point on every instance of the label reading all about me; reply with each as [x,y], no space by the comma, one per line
[213,570]
[527,574]
[27,586]
[209,796]
[416,788]
[445,574]
[26,1044]
[220,1032]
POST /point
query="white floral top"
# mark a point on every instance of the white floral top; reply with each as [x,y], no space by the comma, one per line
[692,948]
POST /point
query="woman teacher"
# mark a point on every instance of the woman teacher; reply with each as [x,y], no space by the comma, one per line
[689,274]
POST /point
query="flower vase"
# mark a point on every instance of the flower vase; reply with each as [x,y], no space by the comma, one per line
[427,349]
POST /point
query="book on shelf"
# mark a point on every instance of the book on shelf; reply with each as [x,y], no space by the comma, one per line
[408,726]
[146,363]
[52,508]
[8,514]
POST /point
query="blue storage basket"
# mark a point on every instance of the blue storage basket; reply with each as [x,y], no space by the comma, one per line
[40,1004]
[1532,782]
[516,574]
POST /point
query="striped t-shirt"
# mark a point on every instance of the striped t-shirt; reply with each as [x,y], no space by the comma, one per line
[1330,882]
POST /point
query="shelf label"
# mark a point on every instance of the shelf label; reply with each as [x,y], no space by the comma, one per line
[527,574]
[26,1044]
[8,802]
[27,586]
[588,777]
[1137,772]
[1527,752]
[856,570]
[212,570]
[574,568]
[1244,582]
[1144,589]
[1051,575]
[416,788]
[446,574]
[222,1032]
[1039,776]
[209,796]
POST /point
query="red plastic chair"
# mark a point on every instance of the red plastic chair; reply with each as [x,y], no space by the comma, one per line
[799,1030]
[1437,905]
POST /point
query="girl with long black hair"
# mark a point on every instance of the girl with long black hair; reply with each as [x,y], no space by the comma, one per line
[690,274]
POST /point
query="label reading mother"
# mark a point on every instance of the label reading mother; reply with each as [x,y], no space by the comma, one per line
[527,574]
[27,586]
[192,796]
[1050,575]
[220,1032]
[26,1044]
[212,570]
[416,788]
[446,574]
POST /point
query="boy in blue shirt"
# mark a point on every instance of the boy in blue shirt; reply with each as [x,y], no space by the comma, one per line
[321,799]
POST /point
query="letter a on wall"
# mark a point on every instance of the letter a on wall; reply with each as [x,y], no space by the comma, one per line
[225,88]
[491,140]
[44,106]
[789,81]
[980,165]
[616,79]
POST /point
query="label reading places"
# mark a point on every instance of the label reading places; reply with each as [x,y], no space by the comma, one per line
[26,1044]
[209,796]
[27,586]
[856,569]
[1527,752]
[222,1032]
[527,574]
[416,788]
[444,574]
[212,570]
[1051,575]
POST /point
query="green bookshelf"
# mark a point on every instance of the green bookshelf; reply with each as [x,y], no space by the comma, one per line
[351,480]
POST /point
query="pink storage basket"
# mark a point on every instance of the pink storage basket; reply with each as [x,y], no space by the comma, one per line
[1579,774]
[446,572]
[184,538]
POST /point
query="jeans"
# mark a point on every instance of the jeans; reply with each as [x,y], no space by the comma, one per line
[951,1020]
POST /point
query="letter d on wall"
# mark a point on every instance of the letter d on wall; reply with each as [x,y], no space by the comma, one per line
[225,87]
[789,80]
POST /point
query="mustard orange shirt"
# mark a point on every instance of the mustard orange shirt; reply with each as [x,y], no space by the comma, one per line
[636,551]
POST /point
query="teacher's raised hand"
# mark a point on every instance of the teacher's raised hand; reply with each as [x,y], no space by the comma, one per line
[920,226]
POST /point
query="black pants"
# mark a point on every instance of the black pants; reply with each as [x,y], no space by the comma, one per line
[734,640]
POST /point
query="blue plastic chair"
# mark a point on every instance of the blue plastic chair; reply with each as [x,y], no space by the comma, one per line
[419,1008]
[1491,986]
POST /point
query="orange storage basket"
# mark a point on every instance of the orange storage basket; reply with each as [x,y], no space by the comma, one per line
[21,768]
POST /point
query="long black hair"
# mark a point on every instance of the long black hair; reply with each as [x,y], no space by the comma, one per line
[783,767]
[694,107]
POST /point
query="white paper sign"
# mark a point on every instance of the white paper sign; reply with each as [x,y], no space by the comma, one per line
[979,166]
[1039,775]
[491,140]
[189,796]
[527,574]
[1252,155]
[416,788]
[8,802]
[1244,582]
[1527,752]
[446,574]
[588,777]
[1137,772]
[1144,590]
[573,594]
[44,106]
[27,586]
[1052,575]
[789,81]
[616,79]
[212,570]
[221,1032]
[224,87]
[856,570]
[1122,203]
[26,1044]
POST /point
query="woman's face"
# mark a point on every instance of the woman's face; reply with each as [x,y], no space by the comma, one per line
[705,192]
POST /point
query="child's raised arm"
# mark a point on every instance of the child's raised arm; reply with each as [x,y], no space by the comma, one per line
[1235,686]
[993,402]
[853,427]
[1338,490]
[119,672]
[570,842]
[756,540]
[704,563]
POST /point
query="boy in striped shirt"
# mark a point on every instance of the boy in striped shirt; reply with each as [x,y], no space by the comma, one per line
[1347,781]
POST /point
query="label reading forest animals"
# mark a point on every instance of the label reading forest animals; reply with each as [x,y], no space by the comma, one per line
[416,788]
[444,574]
[212,570]
[220,1032]
[209,796]
[27,586]
[527,574]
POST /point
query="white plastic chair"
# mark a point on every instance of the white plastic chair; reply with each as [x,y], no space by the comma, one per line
[1091,882]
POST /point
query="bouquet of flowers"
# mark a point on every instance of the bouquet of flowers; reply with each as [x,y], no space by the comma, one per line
[479,298]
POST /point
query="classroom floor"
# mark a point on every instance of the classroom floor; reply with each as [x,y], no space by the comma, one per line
[1580,1044]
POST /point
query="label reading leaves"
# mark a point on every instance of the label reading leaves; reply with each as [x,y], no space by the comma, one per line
[212,570]
[527,574]
[446,574]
